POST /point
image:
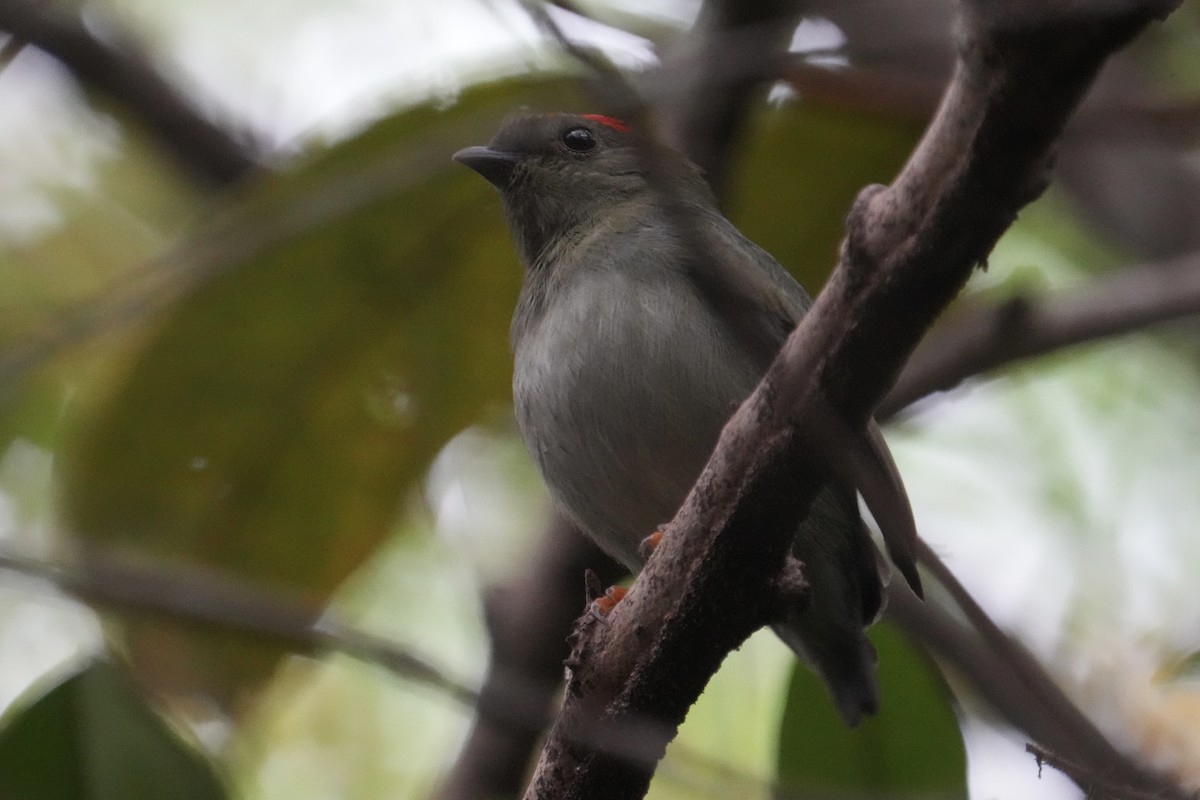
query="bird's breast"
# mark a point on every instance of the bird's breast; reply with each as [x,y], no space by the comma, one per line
[622,383]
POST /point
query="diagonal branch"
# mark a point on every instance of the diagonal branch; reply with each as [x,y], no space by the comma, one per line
[909,249]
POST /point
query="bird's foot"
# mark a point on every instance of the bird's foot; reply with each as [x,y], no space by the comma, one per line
[651,543]
[603,605]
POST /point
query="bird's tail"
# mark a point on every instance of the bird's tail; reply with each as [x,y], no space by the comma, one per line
[842,567]
[846,661]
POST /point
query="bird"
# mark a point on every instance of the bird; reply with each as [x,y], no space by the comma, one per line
[644,318]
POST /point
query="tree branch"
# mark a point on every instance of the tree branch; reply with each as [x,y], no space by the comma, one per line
[978,340]
[909,249]
[202,147]
[1004,676]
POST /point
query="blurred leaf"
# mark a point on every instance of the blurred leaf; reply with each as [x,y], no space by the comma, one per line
[93,736]
[913,746]
[805,166]
[112,202]
[1185,668]
[337,329]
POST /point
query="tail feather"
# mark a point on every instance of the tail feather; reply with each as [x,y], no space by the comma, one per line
[898,527]
[842,567]
[846,662]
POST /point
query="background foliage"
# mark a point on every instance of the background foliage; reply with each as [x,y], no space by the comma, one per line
[302,382]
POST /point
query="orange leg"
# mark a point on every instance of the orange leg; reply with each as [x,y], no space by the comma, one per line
[650,544]
[603,606]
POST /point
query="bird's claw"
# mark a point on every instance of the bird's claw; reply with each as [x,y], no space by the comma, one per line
[602,606]
[650,544]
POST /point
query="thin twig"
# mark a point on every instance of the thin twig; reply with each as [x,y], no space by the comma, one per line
[979,340]
[216,600]
[1094,786]
[606,82]
[1069,726]
[10,49]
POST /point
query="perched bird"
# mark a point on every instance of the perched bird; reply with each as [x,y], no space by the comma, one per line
[644,319]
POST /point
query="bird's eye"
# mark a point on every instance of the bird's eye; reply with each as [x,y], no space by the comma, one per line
[580,140]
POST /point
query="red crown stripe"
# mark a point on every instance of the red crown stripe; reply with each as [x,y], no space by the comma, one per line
[609,122]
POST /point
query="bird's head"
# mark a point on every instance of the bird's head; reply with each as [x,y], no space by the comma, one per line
[557,172]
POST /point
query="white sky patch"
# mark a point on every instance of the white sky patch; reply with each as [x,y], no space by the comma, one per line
[41,633]
[337,68]
[479,490]
[816,34]
[782,93]
[819,39]
[329,70]
[49,141]
[41,630]
[625,49]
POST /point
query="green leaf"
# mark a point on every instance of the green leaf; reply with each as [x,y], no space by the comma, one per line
[93,736]
[1183,668]
[335,329]
[912,746]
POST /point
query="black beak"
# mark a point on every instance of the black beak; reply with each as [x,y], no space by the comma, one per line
[494,165]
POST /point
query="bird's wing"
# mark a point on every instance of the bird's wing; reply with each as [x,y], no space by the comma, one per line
[761,303]
[746,288]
